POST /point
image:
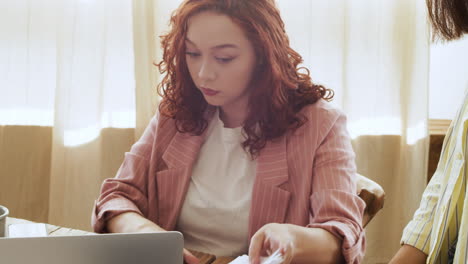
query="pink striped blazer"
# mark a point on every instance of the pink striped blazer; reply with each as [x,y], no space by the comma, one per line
[304,178]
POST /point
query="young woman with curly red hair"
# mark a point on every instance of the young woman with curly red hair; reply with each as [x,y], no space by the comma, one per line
[245,155]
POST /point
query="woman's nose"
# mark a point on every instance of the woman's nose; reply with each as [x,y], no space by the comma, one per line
[207,71]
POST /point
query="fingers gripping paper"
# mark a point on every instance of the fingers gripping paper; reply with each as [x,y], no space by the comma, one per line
[275,258]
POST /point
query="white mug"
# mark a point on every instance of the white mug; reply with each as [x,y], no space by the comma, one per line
[3,215]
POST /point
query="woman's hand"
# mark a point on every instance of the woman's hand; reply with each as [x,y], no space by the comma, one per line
[268,239]
[189,258]
[131,222]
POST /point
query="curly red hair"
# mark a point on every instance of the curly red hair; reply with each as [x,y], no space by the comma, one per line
[281,89]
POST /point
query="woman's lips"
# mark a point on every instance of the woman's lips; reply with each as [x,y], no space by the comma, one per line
[209,92]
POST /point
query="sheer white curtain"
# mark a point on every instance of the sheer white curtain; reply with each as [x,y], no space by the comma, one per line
[69,64]
[83,46]
[151,19]
[27,62]
[95,89]
[374,54]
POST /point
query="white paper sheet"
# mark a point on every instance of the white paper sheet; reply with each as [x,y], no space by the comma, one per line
[27,230]
[275,258]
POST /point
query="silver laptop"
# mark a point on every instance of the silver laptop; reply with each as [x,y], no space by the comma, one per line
[139,248]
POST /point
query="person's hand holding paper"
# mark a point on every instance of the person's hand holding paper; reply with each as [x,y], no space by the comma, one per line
[271,240]
[275,258]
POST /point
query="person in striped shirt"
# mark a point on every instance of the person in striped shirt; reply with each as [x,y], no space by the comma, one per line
[438,232]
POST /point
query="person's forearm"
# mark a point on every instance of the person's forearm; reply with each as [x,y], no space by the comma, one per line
[410,255]
[131,222]
[315,245]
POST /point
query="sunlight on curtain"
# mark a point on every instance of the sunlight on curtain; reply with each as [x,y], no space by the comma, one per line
[96,80]
[68,65]
[150,20]
[352,47]
[83,63]
[27,62]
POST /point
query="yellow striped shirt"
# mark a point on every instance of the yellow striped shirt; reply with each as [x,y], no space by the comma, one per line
[441,219]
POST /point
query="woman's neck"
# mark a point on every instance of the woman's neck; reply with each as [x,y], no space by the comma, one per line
[232,117]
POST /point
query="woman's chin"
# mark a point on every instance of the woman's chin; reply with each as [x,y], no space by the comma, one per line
[213,102]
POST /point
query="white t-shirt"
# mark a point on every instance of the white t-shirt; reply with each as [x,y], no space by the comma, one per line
[215,215]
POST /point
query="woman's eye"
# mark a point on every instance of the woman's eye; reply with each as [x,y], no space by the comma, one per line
[224,60]
[192,54]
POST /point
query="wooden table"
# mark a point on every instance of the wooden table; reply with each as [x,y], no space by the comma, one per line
[53,230]
[211,259]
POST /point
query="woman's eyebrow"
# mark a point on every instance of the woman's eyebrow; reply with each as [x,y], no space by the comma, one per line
[217,47]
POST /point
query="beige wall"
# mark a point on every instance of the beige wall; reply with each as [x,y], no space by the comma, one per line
[25,173]
[25,153]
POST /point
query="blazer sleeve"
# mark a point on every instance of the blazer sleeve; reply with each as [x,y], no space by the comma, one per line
[127,192]
[335,206]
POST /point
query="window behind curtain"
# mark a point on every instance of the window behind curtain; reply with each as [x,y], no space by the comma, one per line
[98,44]
[448,78]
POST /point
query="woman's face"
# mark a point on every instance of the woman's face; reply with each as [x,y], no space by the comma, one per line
[220,59]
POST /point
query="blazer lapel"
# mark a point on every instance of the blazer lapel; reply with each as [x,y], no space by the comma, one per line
[269,201]
[184,148]
[172,184]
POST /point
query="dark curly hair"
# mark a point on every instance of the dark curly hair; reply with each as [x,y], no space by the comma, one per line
[282,88]
[449,18]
